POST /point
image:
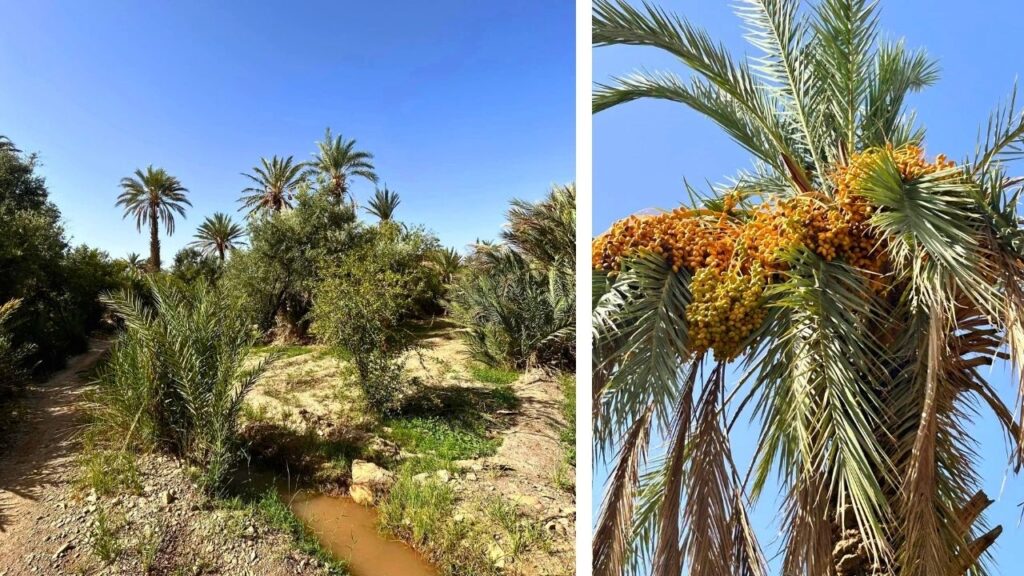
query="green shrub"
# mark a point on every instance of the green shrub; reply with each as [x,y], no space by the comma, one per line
[517,301]
[362,306]
[513,313]
[176,377]
[12,358]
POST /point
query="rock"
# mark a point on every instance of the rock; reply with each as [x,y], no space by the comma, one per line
[361,494]
[471,477]
[168,498]
[443,475]
[421,477]
[67,546]
[364,472]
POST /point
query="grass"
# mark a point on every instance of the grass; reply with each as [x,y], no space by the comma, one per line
[505,397]
[446,440]
[108,471]
[493,375]
[520,532]
[104,539]
[422,513]
[568,384]
[269,507]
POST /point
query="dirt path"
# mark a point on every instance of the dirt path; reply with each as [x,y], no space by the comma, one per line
[40,456]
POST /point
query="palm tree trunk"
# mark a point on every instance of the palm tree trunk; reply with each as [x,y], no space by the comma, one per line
[154,241]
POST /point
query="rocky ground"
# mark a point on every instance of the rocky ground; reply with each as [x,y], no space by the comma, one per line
[50,526]
[305,418]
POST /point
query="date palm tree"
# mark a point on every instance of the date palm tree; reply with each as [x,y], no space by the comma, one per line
[7,146]
[217,235]
[135,261]
[337,161]
[151,197]
[842,297]
[383,204]
[446,262]
[275,182]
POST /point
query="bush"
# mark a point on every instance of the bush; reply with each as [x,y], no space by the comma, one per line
[58,286]
[517,301]
[176,377]
[12,358]
[513,313]
[277,275]
[363,303]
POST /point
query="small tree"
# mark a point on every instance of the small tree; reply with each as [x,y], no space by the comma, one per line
[363,303]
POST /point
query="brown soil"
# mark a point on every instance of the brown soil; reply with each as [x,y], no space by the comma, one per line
[47,524]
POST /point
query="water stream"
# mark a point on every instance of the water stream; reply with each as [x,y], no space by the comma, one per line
[346,529]
[349,531]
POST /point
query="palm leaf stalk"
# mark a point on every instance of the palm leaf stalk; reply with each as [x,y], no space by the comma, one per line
[857,288]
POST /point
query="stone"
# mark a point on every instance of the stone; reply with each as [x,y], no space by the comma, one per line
[421,477]
[470,477]
[168,498]
[443,475]
[361,494]
[67,546]
[364,472]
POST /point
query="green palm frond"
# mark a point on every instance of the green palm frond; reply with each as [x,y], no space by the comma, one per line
[274,184]
[218,235]
[336,161]
[383,204]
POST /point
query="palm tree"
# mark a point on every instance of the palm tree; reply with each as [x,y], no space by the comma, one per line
[855,287]
[135,261]
[337,160]
[218,234]
[447,262]
[547,229]
[150,197]
[275,183]
[383,204]
[7,146]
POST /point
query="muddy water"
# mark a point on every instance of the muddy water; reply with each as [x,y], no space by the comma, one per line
[349,531]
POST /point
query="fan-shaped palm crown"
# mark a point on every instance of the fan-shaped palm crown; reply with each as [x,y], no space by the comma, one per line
[337,160]
[135,261]
[857,286]
[383,204]
[447,262]
[274,182]
[151,197]
[218,234]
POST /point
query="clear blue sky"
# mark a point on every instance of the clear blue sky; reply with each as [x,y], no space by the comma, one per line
[465,104]
[643,150]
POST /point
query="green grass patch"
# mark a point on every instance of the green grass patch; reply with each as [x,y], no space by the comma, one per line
[505,397]
[423,514]
[269,507]
[109,471]
[445,440]
[492,375]
[568,435]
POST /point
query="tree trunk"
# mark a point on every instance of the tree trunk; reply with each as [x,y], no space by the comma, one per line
[154,240]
